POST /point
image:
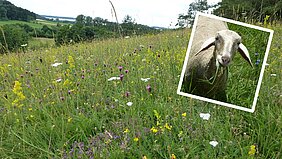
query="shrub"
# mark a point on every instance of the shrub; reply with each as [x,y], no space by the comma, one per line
[12,37]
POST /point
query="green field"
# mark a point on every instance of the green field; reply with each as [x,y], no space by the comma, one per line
[74,111]
[35,24]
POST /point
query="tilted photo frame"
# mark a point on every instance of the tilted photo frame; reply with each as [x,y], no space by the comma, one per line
[225,62]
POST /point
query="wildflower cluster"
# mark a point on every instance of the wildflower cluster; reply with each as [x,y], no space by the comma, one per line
[20,96]
[252,150]
[159,124]
[71,62]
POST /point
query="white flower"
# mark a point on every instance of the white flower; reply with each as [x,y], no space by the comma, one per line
[28,62]
[205,116]
[273,75]
[145,79]
[129,103]
[59,80]
[213,143]
[127,37]
[23,45]
[56,64]
[9,65]
[114,78]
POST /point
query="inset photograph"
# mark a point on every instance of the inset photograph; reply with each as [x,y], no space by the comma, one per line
[225,62]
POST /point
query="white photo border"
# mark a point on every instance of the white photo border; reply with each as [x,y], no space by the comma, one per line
[251,110]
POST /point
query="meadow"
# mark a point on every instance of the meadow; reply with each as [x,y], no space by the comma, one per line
[36,24]
[117,98]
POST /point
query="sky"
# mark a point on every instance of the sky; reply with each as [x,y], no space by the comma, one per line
[162,13]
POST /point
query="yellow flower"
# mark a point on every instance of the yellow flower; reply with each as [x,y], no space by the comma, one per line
[154,130]
[67,82]
[69,119]
[184,114]
[126,130]
[144,157]
[71,61]
[167,126]
[157,115]
[180,134]
[173,156]
[136,139]
[20,96]
[17,87]
[252,150]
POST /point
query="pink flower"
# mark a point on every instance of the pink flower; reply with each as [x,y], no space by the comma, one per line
[148,87]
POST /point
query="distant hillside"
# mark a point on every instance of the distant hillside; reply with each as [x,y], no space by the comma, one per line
[9,11]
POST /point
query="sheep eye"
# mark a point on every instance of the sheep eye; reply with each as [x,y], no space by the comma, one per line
[238,43]
[217,38]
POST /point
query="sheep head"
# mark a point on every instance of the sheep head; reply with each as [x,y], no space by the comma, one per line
[226,44]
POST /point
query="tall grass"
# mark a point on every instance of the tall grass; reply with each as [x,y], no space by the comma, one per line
[73,111]
[243,79]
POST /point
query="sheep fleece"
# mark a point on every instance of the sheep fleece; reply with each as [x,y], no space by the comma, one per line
[203,65]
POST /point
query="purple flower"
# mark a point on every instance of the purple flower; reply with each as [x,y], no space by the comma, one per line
[127,94]
[82,76]
[126,71]
[256,54]
[257,62]
[69,91]
[120,68]
[148,87]
[62,98]
[121,76]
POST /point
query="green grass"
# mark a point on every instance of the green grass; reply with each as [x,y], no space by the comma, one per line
[243,79]
[86,115]
[40,43]
[35,24]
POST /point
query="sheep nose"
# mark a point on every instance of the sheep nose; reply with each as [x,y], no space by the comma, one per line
[225,60]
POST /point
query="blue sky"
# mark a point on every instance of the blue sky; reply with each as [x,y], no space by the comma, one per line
[149,12]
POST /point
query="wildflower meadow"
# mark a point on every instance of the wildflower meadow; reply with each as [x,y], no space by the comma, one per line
[117,98]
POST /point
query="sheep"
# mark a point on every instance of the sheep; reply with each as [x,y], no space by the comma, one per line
[212,51]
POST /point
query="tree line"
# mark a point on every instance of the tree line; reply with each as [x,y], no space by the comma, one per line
[250,11]
[85,28]
[9,11]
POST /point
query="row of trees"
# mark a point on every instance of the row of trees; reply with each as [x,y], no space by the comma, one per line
[250,11]
[86,29]
[9,11]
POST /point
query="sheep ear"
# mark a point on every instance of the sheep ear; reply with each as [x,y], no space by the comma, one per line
[208,43]
[245,53]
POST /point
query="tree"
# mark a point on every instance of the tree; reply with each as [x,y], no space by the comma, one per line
[128,19]
[88,21]
[12,12]
[3,13]
[197,5]
[80,20]
[12,37]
